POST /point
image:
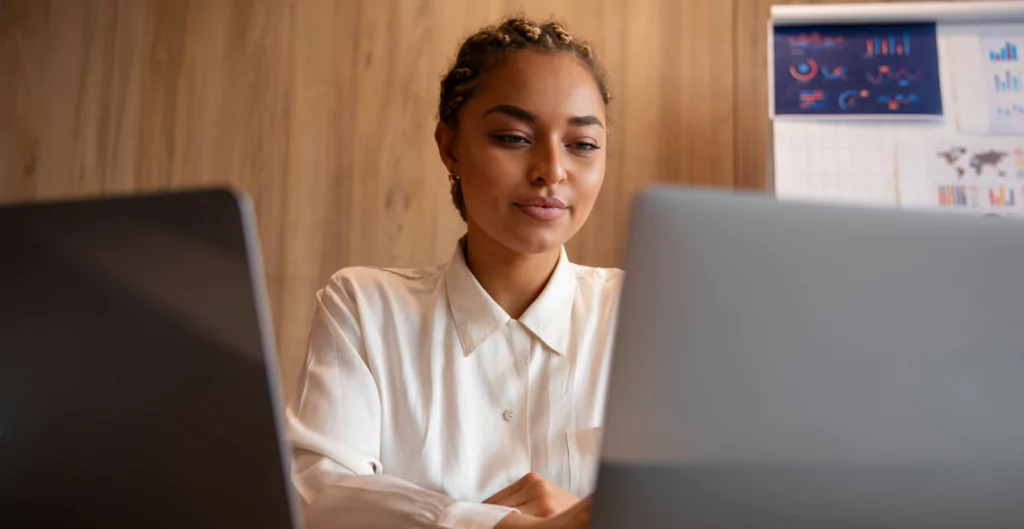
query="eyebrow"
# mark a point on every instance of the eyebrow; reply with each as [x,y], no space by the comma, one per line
[586,120]
[526,115]
[514,111]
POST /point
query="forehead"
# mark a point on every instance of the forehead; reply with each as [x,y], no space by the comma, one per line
[547,84]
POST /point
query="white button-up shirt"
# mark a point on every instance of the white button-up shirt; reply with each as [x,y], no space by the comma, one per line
[420,396]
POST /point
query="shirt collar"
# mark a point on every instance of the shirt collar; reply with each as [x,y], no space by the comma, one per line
[477,316]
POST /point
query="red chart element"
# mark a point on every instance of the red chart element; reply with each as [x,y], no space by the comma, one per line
[805,71]
[885,74]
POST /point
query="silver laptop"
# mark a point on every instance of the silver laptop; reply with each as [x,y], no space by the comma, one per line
[137,368]
[797,366]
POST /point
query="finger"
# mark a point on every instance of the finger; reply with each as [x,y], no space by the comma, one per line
[509,490]
[519,497]
[500,496]
[535,500]
[537,508]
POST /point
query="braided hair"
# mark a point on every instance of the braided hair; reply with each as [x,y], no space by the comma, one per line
[487,49]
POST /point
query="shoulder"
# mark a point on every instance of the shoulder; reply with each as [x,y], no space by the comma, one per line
[362,299]
[599,287]
[365,284]
[605,280]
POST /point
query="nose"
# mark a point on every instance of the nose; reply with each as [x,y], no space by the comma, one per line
[548,166]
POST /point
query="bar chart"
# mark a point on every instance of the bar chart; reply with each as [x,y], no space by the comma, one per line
[950,196]
[1008,82]
[887,45]
[812,99]
[1007,53]
[1004,198]
[1001,72]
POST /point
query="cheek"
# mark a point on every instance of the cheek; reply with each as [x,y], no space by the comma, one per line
[491,169]
[588,183]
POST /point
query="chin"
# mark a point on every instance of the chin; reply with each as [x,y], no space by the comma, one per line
[532,239]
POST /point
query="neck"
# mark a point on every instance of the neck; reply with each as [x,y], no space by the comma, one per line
[512,279]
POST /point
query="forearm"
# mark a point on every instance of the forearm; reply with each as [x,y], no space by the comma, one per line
[346,501]
[518,521]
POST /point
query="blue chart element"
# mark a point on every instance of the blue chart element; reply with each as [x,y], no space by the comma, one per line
[848,99]
[886,75]
[1009,82]
[804,71]
[898,45]
[888,70]
[834,74]
[802,43]
[897,101]
[812,99]
[1007,53]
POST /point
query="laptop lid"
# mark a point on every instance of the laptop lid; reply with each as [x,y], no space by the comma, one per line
[138,379]
[800,366]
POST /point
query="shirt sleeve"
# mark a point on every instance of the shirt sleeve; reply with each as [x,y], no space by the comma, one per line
[334,425]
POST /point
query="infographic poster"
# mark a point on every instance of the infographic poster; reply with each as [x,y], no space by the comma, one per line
[857,71]
[1002,70]
[970,174]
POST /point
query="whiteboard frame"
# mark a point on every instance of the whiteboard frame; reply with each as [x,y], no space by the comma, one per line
[897,13]
[825,117]
[1002,11]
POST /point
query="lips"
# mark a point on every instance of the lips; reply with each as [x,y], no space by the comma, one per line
[542,208]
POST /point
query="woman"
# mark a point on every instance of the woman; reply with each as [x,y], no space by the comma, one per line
[470,394]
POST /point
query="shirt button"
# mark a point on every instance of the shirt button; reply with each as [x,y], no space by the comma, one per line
[507,415]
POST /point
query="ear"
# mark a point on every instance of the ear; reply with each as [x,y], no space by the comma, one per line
[445,139]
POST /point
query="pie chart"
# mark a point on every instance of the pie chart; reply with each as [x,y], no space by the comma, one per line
[804,71]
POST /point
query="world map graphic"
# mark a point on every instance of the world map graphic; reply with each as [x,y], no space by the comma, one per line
[977,162]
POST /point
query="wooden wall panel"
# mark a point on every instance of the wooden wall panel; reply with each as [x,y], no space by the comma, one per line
[324,111]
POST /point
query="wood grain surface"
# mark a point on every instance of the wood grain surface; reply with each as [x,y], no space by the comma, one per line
[324,111]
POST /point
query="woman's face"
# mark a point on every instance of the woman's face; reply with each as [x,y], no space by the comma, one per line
[530,151]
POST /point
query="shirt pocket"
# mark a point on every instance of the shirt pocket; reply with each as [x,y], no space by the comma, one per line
[584,455]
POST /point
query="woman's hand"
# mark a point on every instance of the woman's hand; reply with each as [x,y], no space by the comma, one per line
[534,495]
[576,517]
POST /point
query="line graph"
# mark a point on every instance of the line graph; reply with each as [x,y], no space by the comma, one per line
[894,102]
[885,75]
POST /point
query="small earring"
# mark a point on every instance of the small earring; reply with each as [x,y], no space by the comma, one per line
[453,178]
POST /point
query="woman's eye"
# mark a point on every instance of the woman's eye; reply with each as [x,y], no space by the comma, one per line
[511,139]
[584,146]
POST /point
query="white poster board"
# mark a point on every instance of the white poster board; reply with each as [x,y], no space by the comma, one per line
[900,162]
